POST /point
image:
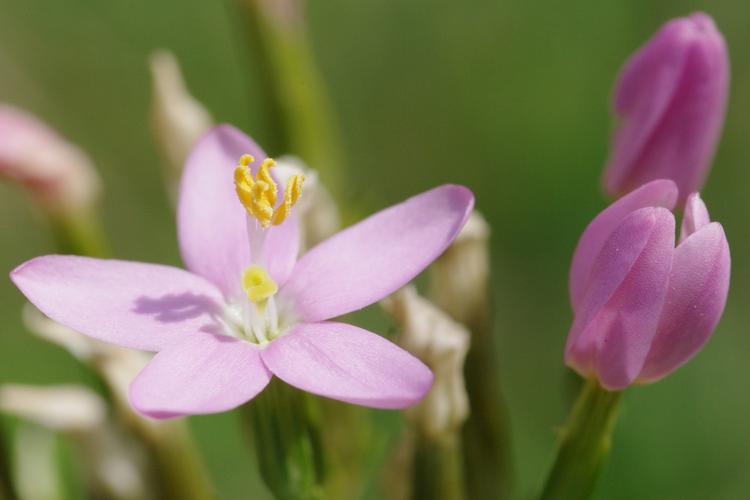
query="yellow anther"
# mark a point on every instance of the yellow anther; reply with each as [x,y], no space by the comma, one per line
[260,194]
[257,284]
[265,176]
[246,160]
[292,192]
[243,177]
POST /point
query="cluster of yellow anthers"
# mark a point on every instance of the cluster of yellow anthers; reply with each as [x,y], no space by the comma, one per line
[259,195]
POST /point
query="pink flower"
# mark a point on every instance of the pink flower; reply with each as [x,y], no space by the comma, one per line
[670,100]
[247,309]
[642,307]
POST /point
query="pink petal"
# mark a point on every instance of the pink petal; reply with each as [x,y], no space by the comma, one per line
[206,374]
[281,249]
[347,363]
[694,217]
[659,193]
[132,304]
[618,315]
[698,289]
[211,221]
[377,256]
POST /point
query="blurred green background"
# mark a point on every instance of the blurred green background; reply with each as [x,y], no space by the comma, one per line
[507,97]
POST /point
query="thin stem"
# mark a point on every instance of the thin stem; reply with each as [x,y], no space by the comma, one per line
[6,485]
[295,87]
[179,470]
[438,471]
[585,444]
[486,433]
[80,232]
[285,435]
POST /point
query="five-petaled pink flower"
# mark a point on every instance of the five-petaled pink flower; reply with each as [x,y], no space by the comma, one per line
[247,309]
[642,307]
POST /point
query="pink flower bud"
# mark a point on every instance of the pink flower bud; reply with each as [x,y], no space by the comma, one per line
[643,307]
[58,174]
[670,100]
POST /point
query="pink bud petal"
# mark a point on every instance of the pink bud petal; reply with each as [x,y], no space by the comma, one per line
[670,100]
[619,311]
[694,217]
[698,289]
[659,193]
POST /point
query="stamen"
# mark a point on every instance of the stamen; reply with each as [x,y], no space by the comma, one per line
[264,175]
[259,195]
[292,192]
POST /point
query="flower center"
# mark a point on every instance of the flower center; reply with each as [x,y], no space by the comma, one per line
[259,195]
[256,317]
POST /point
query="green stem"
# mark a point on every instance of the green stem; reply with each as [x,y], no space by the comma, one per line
[585,444]
[486,436]
[286,438]
[438,471]
[347,440]
[80,233]
[301,111]
[6,485]
[179,471]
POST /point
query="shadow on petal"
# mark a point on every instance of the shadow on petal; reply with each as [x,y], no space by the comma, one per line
[173,308]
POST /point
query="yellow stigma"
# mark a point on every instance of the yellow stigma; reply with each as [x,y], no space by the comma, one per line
[260,194]
[258,285]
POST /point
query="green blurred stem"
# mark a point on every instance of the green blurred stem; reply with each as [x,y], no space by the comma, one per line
[585,444]
[79,232]
[486,435]
[438,469]
[286,437]
[301,110]
[179,471]
[6,485]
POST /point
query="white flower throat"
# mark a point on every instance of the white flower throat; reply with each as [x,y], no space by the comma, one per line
[256,316]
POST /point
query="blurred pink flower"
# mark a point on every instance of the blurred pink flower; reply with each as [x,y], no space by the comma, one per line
[57,173]
[642,307]
[670,101]
[247,308]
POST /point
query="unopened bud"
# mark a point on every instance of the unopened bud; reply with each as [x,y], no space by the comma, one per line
[669,101]
[178,119]
[58,174]
[459,278]
[432,336]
